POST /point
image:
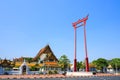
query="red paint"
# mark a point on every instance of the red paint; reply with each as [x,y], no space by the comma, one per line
[87,64]
[83,21]
[85,45]
[75,60]
[75,65]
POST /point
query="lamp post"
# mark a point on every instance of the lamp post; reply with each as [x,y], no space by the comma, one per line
[83,23]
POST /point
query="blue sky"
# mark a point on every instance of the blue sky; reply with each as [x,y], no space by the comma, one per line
[26,26]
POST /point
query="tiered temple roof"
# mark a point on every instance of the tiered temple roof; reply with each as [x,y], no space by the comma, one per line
[46,50]
[44,57]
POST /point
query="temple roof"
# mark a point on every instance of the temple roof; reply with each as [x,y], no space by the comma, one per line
[46,50]
[6,63]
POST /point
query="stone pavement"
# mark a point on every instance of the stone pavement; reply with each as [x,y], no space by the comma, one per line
[60,77]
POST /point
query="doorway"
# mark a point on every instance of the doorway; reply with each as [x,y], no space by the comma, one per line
[24,69]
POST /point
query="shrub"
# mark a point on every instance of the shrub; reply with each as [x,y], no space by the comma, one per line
[6,73]
[40,72]
[50,72]
[94,73]
[55,72]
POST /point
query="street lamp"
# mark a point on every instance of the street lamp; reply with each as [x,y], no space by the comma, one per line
[83,23]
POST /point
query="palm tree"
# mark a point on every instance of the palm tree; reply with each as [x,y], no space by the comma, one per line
[64,62]
[80,65]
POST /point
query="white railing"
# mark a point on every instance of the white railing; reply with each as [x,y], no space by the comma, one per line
[33,72]
[13,72]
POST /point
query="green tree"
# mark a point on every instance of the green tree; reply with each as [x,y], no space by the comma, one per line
[94,62]
[115,63]
[64,62]
[80,65]
[100,63]
[28,59]
[33,68]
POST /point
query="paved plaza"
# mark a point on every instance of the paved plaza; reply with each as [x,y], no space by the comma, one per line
[60,77]
[72,78]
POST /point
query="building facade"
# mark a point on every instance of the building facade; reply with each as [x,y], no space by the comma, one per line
[44,61]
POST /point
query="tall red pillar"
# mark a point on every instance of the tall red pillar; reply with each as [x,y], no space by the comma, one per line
[85,45]
[75,41]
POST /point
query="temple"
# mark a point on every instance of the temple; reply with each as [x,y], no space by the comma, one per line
[44,61]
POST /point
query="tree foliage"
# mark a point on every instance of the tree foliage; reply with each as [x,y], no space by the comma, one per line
[100,63]
[80,65]
[115,62]
[64,62]
[28,59]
